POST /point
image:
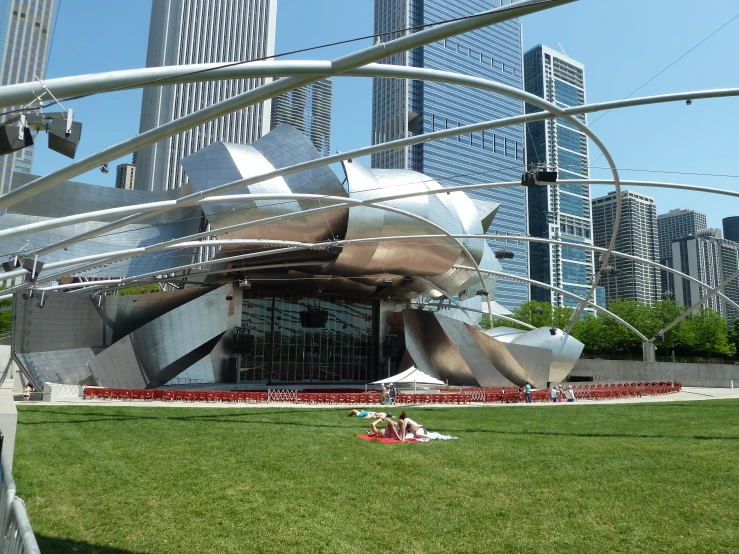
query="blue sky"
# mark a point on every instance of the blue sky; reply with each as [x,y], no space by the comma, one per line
[622,44]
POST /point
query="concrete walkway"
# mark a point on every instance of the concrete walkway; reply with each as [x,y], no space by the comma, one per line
[687,393]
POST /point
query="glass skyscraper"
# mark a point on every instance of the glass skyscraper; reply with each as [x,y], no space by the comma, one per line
[402,108]
[560,212]
[25,34]
[308,109]
[193,32]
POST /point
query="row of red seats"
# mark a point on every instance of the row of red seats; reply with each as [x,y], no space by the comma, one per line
[510,395]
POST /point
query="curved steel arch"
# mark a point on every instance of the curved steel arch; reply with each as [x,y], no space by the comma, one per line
[339,65]
[412,72]
[600,309]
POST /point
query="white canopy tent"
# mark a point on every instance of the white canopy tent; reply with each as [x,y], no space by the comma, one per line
[411,375]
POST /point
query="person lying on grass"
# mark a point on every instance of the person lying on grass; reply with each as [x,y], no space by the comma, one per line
[368,415]
[392,429]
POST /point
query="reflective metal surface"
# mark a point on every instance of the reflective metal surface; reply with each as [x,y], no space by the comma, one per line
[520,365]
[565,350]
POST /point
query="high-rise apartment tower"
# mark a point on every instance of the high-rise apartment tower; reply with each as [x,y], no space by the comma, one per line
[638,236]
[402,108]
[672,226]
[25,35]
[711,260]
[308,109]
[560,212]
[731,228]
[193,32]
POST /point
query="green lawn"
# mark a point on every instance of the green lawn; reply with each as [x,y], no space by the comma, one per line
[605,478]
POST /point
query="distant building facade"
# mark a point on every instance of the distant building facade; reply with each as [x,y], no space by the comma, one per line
[710,259]
[25,33]
[637,236]
[559,212]
[193,32]
[731,228]
[671,226]
[403,108]
[125,175]
[308,109]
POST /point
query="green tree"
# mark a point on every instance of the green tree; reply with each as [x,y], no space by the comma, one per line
[537,314]
[141,289]
[6,318]
[709,334]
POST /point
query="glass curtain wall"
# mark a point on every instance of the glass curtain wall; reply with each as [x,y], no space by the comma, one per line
[307,337]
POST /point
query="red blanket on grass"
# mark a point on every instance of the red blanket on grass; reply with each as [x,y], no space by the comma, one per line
[383,440]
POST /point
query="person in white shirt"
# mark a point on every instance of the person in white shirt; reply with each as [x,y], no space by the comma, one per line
[553,394]
[570,394]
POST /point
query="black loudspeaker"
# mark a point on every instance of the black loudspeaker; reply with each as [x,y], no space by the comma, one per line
[9,140]
[10,265]
[60,141]
[232,370]
[314,318]
[28,266]
[546,176]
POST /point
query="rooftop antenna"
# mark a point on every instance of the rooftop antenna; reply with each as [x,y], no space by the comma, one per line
[562,48]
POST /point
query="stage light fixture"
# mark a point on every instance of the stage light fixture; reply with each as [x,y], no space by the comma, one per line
[334,248]
[552,331]
[244,284]
[386,282]
[482,292]
[504,255]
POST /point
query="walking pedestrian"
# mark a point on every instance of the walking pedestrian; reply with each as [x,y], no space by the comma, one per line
[553,394]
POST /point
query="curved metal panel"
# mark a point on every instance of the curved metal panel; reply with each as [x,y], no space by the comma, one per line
[461,336]
[432,351]
[404,257]
[520,365]
[565,350]
[504,334]
[155,353]
[221,163]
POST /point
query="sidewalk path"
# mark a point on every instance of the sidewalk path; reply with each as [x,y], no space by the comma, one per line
[687,393]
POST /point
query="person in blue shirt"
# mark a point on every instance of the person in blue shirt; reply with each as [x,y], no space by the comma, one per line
[528,393]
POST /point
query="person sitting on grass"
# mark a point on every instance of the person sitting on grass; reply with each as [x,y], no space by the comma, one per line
[368,415]
[407,425]
[392,429]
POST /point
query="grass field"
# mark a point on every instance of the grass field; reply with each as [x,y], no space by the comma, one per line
[606,478]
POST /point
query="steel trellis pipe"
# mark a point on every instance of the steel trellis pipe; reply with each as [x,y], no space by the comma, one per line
[154,206]
[344,202]
[339,65]
[536,283]
[711,293]
[431,75]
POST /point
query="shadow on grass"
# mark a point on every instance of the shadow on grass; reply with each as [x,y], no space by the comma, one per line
[246,418]
[51,544]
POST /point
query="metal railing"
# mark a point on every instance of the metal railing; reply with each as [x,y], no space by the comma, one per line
[17,535]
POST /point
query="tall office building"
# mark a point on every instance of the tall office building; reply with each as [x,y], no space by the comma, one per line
[560,212]
[671,226]
[308,109]
[402,108]
[637,236]
[192,32]
[125,176]
[25,35]
[710,259]
[731,228]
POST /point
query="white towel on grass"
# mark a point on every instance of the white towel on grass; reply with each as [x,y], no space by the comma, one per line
[432,436]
